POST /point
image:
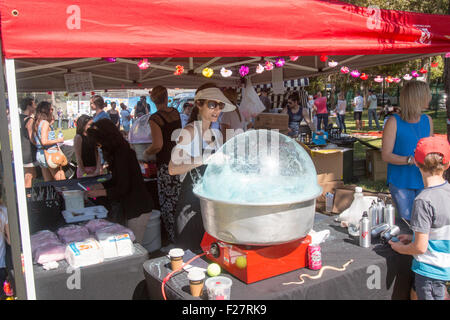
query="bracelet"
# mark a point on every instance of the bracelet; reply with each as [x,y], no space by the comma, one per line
[409,160]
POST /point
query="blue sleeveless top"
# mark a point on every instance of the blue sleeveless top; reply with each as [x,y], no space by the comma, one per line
[407,136]
[295,118]
[50,136]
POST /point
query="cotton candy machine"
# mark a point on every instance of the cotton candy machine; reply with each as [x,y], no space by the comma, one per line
[257,199]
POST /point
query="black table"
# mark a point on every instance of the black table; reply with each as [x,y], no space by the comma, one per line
[43,215]
[113,279]
[72,184]
[377,273]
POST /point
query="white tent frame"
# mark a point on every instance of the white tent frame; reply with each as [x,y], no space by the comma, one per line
[15,123]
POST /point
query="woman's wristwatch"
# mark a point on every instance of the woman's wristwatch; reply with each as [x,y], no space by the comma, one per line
[409,160]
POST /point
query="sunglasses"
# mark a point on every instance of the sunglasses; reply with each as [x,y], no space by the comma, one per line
[214,104]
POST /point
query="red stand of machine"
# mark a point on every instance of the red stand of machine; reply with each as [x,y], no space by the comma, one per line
[255,263]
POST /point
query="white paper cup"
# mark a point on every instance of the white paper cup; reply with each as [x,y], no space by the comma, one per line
[176,258]
[196,282]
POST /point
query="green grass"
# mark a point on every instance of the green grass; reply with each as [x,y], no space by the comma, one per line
[69,133]
[359,152]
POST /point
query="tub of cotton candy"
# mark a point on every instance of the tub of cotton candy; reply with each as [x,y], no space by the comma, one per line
[258,189]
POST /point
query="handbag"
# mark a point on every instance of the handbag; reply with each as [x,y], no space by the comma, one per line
[55,159]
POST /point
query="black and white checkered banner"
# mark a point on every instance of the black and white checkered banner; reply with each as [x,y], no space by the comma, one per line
[290,86]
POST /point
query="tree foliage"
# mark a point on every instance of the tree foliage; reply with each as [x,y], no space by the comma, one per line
[422,6]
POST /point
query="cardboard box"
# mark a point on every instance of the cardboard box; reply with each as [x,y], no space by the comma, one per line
[278,121]
[376,168]
[343,197]
[329,163]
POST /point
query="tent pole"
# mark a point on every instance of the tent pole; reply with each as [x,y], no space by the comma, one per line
[10,194]
[20,180]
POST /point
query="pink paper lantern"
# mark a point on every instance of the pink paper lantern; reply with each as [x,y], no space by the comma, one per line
[414,74]
[244,70]
[294,58]
[111,60]
[143,64]
[355,73]
[345,70]
[268,65]
[279,62]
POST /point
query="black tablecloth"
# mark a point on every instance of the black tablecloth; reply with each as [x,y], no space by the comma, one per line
[41,217]
[113,279]
[377,273]
[72,184]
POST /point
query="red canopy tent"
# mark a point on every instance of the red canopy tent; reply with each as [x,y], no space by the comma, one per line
[70,37]
[199,28]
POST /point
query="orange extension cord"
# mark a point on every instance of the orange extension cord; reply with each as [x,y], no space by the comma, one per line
[175,271]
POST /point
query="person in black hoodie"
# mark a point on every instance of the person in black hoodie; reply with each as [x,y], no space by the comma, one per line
[131,204]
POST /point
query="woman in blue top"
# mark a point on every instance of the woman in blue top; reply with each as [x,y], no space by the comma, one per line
[400,137]
[126,117]
[45,138]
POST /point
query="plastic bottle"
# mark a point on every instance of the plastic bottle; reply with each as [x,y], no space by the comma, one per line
[355,212]
[60,135]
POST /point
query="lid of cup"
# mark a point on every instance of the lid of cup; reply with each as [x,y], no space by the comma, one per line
[177,252]
[196,275]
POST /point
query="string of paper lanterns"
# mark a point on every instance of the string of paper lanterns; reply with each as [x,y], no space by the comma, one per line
[279,62]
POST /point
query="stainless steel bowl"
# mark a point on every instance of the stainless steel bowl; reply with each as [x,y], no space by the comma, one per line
[258,224]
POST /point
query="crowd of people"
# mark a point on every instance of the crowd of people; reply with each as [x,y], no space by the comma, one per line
[315,110]
[415,180]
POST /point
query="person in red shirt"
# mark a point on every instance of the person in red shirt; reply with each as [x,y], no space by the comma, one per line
[320,107]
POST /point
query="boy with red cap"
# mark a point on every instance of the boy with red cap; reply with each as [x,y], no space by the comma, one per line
[430,221]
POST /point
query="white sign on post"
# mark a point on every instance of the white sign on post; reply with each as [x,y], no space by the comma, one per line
[79,82]
[277,81]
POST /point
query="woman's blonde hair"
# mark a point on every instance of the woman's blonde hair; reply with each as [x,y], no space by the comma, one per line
[414,97]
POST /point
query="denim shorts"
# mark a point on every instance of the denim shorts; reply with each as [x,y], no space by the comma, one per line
[403,200]
[429,289]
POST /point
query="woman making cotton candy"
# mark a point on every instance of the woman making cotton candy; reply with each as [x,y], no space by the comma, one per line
[195,144]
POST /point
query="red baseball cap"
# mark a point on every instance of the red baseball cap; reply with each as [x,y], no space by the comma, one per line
[429,145]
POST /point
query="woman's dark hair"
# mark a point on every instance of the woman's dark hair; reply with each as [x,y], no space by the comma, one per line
[42,113]
[294,97]
[98,101]
[232,95]
[195,111]
[123,106]
[106,133]
[82,122]
[159,95]
[25,102]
